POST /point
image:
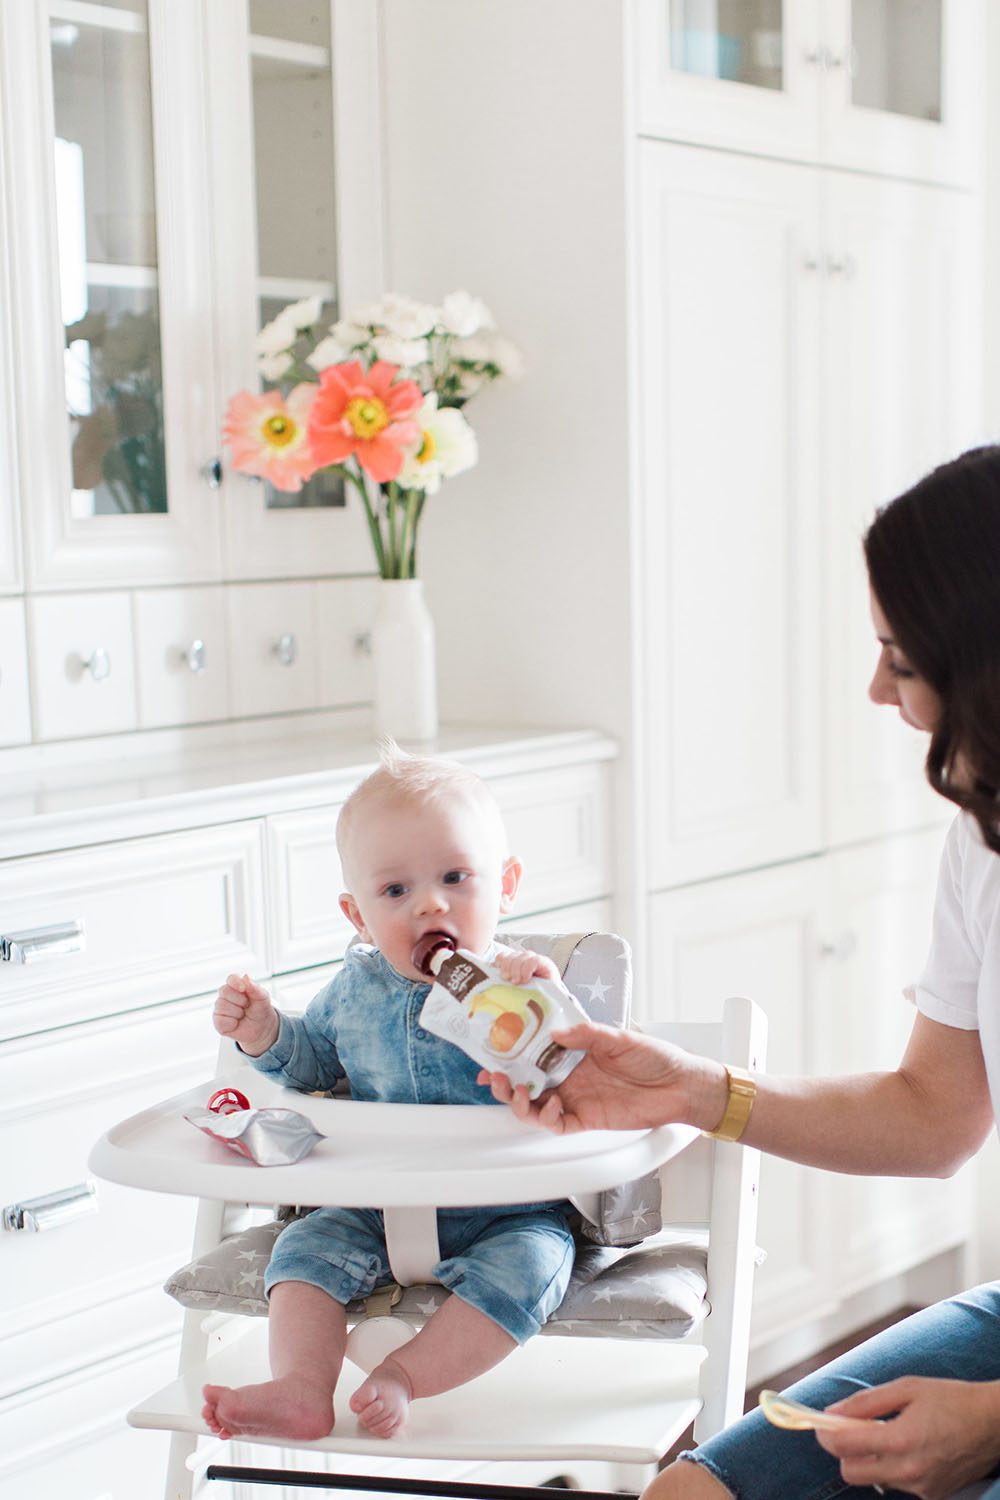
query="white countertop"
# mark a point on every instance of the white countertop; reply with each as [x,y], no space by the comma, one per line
[53,798]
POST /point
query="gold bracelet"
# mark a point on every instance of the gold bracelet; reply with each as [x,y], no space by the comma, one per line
[739,1103]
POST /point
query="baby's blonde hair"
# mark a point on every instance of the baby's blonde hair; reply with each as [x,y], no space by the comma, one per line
[422,779]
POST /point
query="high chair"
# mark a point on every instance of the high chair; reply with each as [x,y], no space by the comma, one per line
[648,1339]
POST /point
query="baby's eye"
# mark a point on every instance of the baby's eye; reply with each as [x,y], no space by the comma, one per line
[395,890]
[455,877]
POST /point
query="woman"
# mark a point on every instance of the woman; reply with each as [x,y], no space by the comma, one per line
[933,559]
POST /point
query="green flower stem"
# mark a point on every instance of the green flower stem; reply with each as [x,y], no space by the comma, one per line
[395,558]
[414,505]
[370,517]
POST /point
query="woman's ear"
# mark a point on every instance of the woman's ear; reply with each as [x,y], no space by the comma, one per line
[512,871]
[352,912]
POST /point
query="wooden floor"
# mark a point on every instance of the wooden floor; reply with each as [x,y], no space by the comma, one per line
[788,1377]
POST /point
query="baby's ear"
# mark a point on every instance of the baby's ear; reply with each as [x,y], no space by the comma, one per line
[352,912]
[510,881]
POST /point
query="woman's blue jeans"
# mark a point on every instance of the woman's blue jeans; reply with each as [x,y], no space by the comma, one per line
[954,1340]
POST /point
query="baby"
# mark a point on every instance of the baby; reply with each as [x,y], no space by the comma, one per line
[422,847]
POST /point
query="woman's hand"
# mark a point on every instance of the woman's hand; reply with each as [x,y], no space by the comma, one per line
[627,1081]
[945,1435]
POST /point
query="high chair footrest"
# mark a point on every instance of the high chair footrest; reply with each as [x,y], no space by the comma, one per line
[622,1401]
[381,1485]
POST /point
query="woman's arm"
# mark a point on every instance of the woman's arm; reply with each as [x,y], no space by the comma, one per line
[923,1119]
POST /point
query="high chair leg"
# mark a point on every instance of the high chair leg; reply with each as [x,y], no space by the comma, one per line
[180,1479]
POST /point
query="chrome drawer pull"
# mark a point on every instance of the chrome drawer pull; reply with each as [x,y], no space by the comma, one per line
[42,942]
[51,1210]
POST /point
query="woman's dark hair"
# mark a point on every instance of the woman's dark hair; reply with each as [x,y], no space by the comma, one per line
[933,558]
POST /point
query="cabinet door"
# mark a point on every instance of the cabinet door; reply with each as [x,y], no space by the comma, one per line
[904,88]
[883,896]
[759,935]
[902,394]
[728,395]
[293,137]
[10,537]
[720,73]
[109,255]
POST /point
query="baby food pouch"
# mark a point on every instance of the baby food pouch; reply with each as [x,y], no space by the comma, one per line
[507,1028]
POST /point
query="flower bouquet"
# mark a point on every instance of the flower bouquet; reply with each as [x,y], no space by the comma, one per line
[377,399]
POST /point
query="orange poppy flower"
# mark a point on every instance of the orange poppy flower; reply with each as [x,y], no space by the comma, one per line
[268,436]
[364,414]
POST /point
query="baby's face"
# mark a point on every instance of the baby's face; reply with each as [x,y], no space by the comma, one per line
[415,868]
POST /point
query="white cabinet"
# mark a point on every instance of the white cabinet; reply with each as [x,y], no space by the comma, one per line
[883,86]
[825,322]
[170,176]
[825,946]
[730,396]
[15,713]
[901,364]
[175,873]
[152,225]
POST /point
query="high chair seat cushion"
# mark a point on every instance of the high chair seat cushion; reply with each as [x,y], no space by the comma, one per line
[656,1290]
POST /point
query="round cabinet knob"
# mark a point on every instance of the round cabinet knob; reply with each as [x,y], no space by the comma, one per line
[286,649]
[211,472]
[196,657]
[98,664]
[840,948]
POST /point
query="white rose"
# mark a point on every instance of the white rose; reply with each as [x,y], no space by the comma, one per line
[405,352]
[303,314]
[351,331]
[277,335]
[407,317]
[464,315]
[273,366]
[329,351]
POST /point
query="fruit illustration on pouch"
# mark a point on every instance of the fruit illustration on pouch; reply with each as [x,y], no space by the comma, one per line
[513,1016]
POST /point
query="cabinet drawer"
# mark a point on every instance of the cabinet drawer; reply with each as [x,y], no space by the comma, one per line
[558,825]
[15,718]
[164,917]
[82,666]
[272,634]
[305,879]
[91,1285]
[70,1438]
[181,656]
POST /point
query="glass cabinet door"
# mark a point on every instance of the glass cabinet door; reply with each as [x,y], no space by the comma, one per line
[896,57]
[106,247]
[102,126]
[739,73]
[278,141]
[292,99]
[739,40]
[903,90]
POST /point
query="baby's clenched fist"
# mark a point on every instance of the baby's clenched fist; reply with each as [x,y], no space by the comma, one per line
[243,1012]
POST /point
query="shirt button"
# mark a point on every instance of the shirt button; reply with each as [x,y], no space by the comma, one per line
[421,1033]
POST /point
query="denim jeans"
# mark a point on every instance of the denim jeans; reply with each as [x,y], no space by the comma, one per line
[954,1340]
[512,1263]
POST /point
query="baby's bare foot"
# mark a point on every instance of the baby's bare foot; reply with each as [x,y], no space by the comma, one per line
[292,1407]
[382,1402]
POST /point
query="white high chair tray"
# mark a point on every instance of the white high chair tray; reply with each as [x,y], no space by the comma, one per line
[380,1155]
[648,1395]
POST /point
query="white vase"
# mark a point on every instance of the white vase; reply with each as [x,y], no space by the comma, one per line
[403,654]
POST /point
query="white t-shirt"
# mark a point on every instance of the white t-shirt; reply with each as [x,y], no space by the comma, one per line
[960,984]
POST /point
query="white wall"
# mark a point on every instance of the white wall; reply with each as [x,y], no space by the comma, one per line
[542,240]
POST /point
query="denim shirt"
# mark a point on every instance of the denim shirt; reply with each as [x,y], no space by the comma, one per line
[365,1026]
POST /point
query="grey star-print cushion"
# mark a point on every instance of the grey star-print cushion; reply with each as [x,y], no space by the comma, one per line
[655,1290]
